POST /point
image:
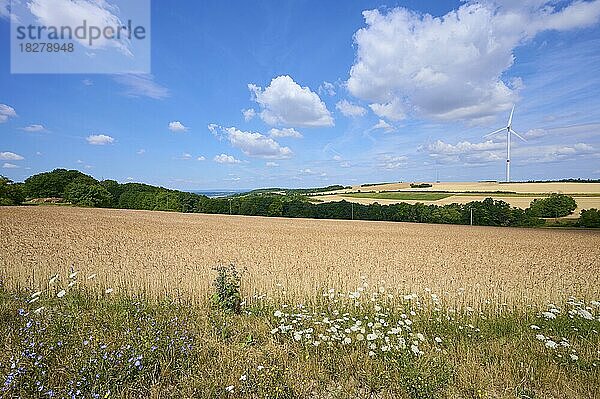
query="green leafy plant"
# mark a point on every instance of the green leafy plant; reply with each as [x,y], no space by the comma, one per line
[227,295]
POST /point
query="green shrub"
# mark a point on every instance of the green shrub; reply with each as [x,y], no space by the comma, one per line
[227,295]
[554,206]
[88,195]
[275,209]
[54,184]
[589,218]
[10,193]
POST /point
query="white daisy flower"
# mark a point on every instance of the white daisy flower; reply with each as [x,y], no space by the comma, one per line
[550,344]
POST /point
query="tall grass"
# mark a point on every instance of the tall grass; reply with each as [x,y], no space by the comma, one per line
[366,343]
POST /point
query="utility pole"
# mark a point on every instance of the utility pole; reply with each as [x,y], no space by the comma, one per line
[471,216]
[230,206]
[352,206]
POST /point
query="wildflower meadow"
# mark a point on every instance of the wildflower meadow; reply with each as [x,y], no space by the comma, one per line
[73,339]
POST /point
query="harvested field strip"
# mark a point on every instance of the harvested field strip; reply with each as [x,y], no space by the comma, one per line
[399,195]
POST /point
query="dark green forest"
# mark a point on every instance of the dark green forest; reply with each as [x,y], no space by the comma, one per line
[82,190]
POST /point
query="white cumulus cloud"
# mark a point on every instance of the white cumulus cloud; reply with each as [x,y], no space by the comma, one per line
[248,114]
[99,139]
[8,165]
[556,152]
[6,112]
[349,109]
[224,158]
[177,126]
[33,128]
[383,125]
[451,67]
[256,144]
[390,162]
[252,144]
[440,147]
[285,102]
[71,13]
[10,156]
[392,110]
[327,88]
[285,132]
[466,152]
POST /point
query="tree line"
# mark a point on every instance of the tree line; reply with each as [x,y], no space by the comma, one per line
[83,190]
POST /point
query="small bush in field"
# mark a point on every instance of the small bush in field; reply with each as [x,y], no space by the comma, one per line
[227,295]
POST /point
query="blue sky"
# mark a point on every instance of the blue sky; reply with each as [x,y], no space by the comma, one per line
[309,93]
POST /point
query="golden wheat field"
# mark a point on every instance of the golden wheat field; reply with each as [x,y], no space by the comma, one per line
[159,253]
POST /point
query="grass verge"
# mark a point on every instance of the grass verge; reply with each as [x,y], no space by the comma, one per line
[83,344]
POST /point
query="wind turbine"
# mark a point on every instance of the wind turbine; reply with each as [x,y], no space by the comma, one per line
[509,130]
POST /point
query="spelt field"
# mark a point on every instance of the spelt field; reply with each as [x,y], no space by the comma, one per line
[124,304]
[160,253]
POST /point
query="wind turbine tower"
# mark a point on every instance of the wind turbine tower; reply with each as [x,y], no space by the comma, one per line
[509,131]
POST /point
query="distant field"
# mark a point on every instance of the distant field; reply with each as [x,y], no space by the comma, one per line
[509,194]
[532,188]
[519,201]
[408,196]
[518,195]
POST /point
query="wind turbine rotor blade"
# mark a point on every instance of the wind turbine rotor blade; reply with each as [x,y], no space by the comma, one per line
[511,115]
[494,132]
[517,134]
